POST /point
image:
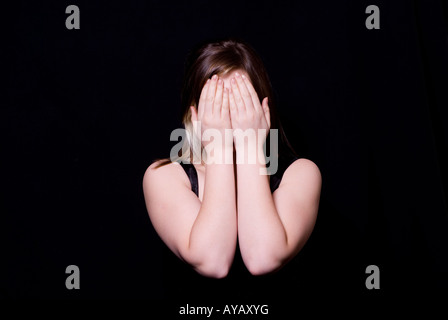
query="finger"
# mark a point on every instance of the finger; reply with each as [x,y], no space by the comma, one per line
[202,99]
[237,96]
[225,103]
[253,93]
[267,113]
[245,95]
[211,94]
[217,104]
[232,105]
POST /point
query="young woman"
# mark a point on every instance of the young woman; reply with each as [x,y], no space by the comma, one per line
[204,210]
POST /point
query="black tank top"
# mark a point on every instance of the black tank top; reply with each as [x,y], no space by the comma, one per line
[181,282]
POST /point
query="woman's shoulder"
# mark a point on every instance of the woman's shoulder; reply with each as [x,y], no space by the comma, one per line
[162,171]
[303,168]
[162,166]
[304,163]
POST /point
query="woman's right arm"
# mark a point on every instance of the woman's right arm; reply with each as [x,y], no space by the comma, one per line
[202,234]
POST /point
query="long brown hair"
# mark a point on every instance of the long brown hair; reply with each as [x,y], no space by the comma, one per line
[223,57]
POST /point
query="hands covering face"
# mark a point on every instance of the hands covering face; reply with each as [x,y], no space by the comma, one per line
[238,108]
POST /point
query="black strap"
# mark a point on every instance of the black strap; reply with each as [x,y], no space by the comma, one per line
[283,163]
[274,180]
[190,170]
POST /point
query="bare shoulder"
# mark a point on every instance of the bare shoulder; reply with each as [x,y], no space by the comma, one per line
[304,170]
[166,173]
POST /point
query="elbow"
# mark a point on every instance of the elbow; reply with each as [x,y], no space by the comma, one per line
[212,265]
[262,266]
[213,270]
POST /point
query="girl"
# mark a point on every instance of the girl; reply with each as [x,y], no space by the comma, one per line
[205,210]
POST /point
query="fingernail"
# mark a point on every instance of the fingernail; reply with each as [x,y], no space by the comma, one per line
[214,77]
[237,74]
[233,80]
[243,76]
[219,81]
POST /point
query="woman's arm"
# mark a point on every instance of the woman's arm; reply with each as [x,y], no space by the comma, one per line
[203,234]
[271,228]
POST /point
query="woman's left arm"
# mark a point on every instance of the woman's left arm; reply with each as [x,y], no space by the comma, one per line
[272,228]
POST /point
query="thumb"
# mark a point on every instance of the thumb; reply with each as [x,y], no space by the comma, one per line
[266,111]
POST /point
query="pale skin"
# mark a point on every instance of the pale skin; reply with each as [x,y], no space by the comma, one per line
[234,198]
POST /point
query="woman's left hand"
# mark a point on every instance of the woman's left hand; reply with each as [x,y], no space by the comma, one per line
[246,111]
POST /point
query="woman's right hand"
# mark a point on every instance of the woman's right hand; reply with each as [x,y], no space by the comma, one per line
[214,113]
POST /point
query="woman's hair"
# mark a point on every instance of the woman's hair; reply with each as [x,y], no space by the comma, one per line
[223,57]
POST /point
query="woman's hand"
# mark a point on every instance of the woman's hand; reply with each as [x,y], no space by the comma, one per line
[246,112]
[202,232]
[213,112]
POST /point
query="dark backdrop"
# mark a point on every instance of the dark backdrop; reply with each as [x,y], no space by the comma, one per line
[86,111]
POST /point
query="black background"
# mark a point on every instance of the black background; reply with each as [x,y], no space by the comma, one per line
[86,111]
